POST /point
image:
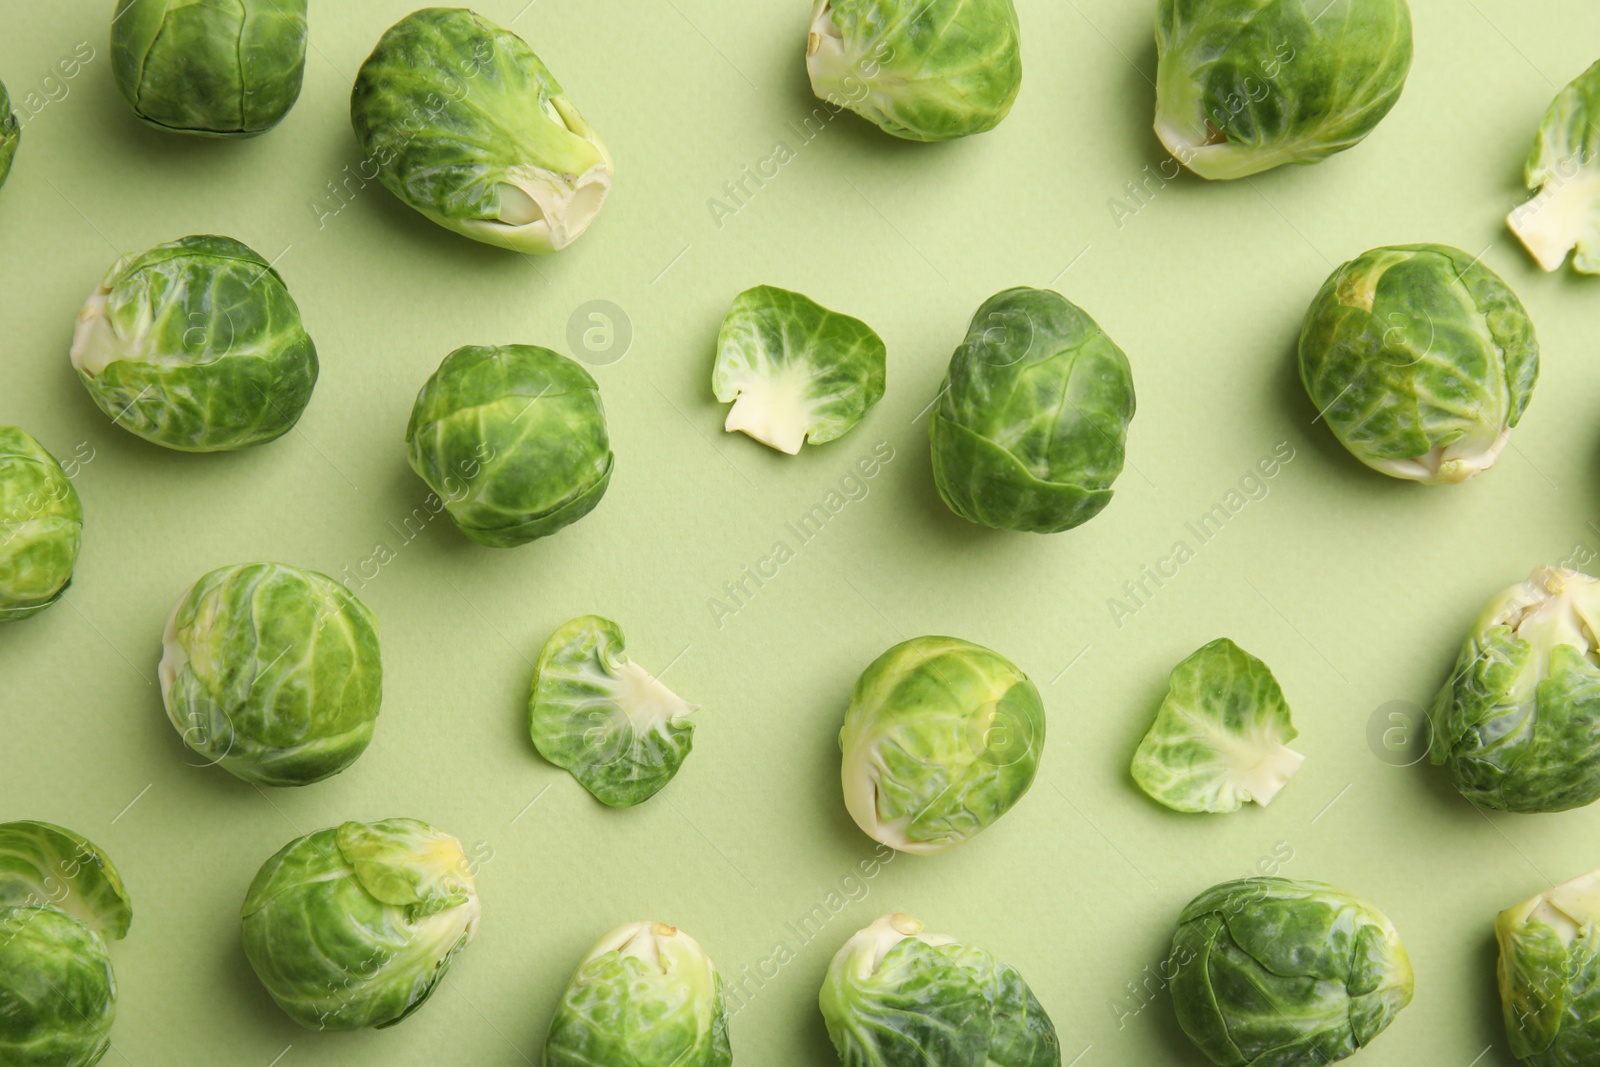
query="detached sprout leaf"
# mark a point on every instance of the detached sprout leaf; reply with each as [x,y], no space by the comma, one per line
[794,371]
[10,135]
[42,864]
[1550,974]
[41,526]
[1564,169]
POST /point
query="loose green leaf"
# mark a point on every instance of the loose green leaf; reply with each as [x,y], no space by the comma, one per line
[41,526]
[42,865]
[58,997]
[1564,170]
[10,135]
[1550,975]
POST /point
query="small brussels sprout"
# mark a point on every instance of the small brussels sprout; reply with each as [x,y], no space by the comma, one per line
[601,716]
[895,995]
[1421,360]
[924,70]
[463,123]
[942,737]
[219,70]
[645,996]
[1271,971]
[1515,721]
[1564,170]
[513,440]
[1032,421]
[272,673]
[1220,739]
[41,526]
[196,345]
[10,134]
[1243,86]
[795,371]
[1550,974]
[355,927]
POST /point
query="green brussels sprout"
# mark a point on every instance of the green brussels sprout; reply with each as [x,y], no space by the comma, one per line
[942,737]
[1243,86]
[356,927]
[645,996]
[272,673]
[1550,975]
[895,996]
[923,70]
[41,526]
[1031,424]
[795,371]
[1516,720]
[1421,360]
[1220,739]
[463,123]
[513,440]
[196,345]
[10,134]
[1270,972]
[1564,170]
[215,69]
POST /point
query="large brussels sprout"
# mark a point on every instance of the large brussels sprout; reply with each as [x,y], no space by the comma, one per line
[1564,169]
[607,720]
[895,995]
[10,134]
[462,122]
[1032,421]
[1550,975]
[645,996]
[356,926]
[272,673]
[41,526]
[1421,360]
[942,737]
[216,69]
[196,345]
[1243,86]
[1270,972]
[1518,720]
[513,440]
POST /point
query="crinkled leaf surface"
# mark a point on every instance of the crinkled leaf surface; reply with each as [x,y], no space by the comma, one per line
[41,526]
[58,997]
[1549,975]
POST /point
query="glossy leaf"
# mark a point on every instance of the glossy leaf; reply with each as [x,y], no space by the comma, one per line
[43,865]
[58,996]
[1550,975]
[1564,170]
[41,526]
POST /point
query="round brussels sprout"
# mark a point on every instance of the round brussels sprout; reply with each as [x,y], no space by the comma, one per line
[216,69]
[463,123]
[645,996]
[942,737]
[355,927]
[1550,975]
[1243,86]
[272,673]
[1273,971]
[513,440]
[1032,420]
[10,134]
[41,526]
[196,345]
[1421,360]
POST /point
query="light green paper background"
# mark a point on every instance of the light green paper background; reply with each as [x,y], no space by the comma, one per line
[1354,588]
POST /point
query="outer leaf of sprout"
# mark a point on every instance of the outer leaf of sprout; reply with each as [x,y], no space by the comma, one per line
[1564,170]
[41,526]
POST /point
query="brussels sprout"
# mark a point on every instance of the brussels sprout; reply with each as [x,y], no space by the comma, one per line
[1219,740]
[196,345]
[924,70]
[645,996]
[10,135]
[895,995]
[1270,972]
[1518,720]
[273,673]
[513,440]
[356,926]
[1031,423]
[942,737]
[1421,360]
[1564,169]
[795,371]
[462,122]
[1550,975]
[215,69]
[41,526]
[1243,86]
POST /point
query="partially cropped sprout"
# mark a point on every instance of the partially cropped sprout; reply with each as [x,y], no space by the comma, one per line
[645,996]
[895,995]
[596,713]
[10,134]
[513,440]
[1564,169]
[356,927]
[942,737]
[220,70]
[794,371]
[196,345]
[463,123]
[1243,86]
[1550,974]
[924,70]
[41,526]
[1421,360]
[272,673]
